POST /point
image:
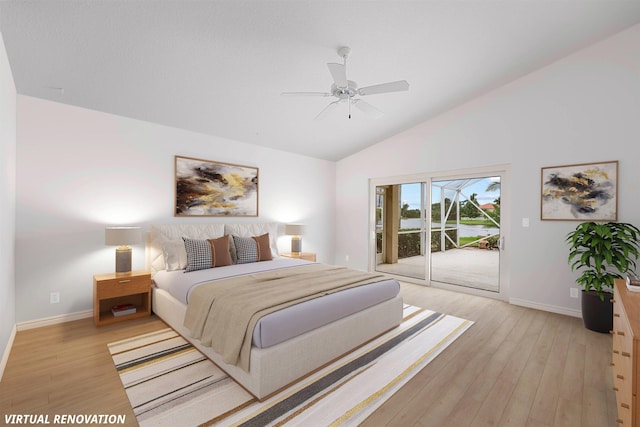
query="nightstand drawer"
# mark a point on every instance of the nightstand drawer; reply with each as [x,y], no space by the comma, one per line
[124,286]
[113,289]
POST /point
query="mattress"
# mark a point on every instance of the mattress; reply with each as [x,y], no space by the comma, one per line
[292,321]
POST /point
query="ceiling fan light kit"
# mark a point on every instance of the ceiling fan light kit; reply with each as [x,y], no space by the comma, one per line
[346,90]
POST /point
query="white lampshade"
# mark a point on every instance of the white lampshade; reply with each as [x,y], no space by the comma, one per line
[294,229]
[121,236]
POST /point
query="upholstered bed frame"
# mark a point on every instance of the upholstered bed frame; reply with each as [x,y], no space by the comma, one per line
[272,368]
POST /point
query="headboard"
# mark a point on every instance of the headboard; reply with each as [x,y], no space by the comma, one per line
[163,237]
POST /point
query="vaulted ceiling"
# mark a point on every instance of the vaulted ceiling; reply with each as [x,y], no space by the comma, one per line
[219,67]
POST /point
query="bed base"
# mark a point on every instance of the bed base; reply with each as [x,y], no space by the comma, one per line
[274,368]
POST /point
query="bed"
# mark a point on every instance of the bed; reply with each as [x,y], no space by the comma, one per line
[286,343]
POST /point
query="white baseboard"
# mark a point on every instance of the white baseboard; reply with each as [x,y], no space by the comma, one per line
[7,351]
[53,320]
[546,307]
[38,323]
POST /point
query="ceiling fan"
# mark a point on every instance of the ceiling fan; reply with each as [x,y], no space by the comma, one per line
[346,90]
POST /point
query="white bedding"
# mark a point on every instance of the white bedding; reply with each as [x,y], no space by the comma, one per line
[285,324]
[179,284]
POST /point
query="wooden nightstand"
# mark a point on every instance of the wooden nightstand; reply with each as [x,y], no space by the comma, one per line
[309,256]
[113,289]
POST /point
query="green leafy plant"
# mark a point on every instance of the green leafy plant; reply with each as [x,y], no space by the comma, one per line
[493,242]
[604,252]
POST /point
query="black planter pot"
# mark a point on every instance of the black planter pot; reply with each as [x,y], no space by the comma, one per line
[597,315]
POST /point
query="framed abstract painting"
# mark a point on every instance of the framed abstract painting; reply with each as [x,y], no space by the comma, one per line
[583,192]
[208,188]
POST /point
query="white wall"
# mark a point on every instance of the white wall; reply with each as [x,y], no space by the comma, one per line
[583,108]
[80,170]
[7,202]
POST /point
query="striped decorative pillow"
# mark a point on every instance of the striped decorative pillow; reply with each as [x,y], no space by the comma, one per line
[210,253]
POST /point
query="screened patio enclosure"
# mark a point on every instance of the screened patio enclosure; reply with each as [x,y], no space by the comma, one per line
[456,242]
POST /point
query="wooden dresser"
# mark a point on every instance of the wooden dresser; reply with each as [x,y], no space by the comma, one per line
[626,353]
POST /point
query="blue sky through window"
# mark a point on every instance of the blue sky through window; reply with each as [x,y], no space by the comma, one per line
[410,193]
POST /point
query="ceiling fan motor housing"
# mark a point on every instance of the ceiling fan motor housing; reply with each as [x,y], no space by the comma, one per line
[345,92]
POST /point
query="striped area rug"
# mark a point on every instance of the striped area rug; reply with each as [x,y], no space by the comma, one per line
[170,383]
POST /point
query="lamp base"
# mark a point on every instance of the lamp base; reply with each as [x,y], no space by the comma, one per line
[123,259]
[296,245]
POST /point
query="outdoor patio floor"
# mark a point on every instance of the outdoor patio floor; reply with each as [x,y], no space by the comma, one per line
[471,267]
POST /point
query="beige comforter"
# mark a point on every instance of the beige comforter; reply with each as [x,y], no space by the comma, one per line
[222,314]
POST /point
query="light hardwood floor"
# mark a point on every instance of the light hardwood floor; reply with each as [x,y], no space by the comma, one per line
[514,367]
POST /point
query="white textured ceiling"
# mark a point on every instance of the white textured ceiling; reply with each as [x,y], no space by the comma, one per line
[218,67]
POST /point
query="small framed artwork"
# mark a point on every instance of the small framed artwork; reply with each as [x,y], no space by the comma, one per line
[584,192]
[208,188]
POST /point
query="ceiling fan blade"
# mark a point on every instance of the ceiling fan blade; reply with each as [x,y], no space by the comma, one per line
[367,108]
[384,88]
[305,94]
[339,74]
[329,108]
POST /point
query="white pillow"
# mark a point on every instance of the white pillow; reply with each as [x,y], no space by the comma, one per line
[175,254]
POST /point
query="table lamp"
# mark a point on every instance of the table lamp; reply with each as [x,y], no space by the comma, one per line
[122,237]
[295,230]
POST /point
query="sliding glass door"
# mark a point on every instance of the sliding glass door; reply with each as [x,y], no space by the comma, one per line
[442,230]
[401,230]
[465,231]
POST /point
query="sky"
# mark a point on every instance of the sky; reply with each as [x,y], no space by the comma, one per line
[411,193]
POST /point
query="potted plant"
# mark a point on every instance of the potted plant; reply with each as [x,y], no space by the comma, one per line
[603,252]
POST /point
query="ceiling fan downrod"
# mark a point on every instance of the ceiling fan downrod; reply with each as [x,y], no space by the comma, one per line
[344,52]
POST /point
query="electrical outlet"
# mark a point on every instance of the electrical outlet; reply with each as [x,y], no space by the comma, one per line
[346,257]
[54,298]
[573,292]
